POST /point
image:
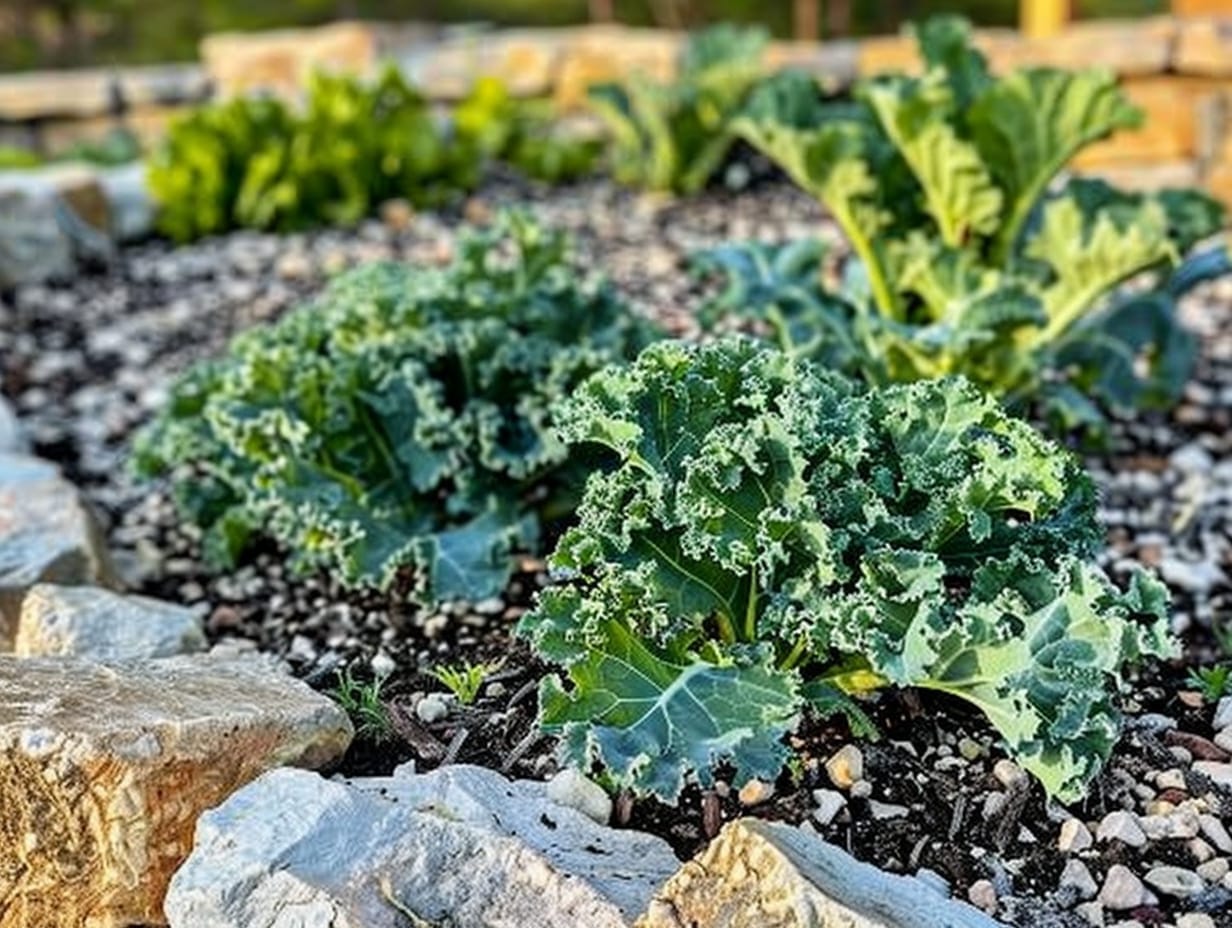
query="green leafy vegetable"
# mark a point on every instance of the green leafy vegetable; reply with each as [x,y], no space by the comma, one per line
[402,422]
[968,257]
[673,137]
[775,538]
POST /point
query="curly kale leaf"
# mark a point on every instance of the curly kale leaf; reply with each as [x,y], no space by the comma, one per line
[774,528]
[963,259]
[402,421]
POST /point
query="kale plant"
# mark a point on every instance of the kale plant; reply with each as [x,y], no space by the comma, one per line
[400,425]
[969,256]
[673,137]
[256,163]
[775,537]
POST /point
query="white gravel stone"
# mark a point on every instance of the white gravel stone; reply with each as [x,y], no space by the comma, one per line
[1213,870]
[1178,824]
[885,810]
[431,709]
[1170,779]
[829,803]
[1121,826]
[1219,771]
[1074,836]
[846,766]
[1093,912]
[861,789]
[571,789]
[1224,739]
[1216,832]
[1009,774]
[1175,881]
[1078,876]
[1191,459]
[1195,920]
[1122,890]
[1223,714]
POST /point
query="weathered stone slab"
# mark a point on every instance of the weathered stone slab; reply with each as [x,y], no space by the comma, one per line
[89,622]
[525,60]
[835,63]
[163,84]
[759,874]
[129,202]
[605,52]
[12,438]
[1173,109]
[104,771]
[41,94]
[47,535]
[461,846]
[282,60]
[1204,46]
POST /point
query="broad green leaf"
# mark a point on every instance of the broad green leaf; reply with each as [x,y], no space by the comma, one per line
[957,187]
[1030,123]
[654,723]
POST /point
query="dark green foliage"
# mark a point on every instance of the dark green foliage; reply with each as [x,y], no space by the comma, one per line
[400,425]
[256,163]
[967,256]
[673,137]
[775,537]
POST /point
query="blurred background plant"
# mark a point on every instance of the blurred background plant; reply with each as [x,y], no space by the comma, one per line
[69,33]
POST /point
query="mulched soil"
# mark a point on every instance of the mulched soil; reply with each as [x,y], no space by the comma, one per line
[87,361]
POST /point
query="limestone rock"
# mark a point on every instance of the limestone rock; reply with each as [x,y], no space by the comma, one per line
[85,621]
[1204,46]
[46,535]
[759,874]
[40,94]
[573,789]
[104,771]
[12,439]
[129,201]
[460,845]
[282,60]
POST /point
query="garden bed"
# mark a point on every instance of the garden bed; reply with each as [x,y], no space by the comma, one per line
[89,361]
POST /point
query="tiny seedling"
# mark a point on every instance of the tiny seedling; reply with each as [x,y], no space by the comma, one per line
[464,680]
[1212,682]
[363,703]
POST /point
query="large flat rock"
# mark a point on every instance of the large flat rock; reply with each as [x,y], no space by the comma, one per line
[47,534]
[90,622]
[105,769]
[459,846]
[759,874]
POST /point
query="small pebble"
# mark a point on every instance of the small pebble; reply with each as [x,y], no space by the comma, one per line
[1215,832]
[1218,771]
[1175,881]
[1121,826]
[983,895]
[829,804]
[1195,920]
[755,792]
[1213,871]
[1093,912]
[570,788]
[1122,890]
[1079,877]
[1075,836]
[431,709]
[861,789]
[1009,774]
[884,810]
[1223,714]
[845,766]
[1178,824]
[971,749]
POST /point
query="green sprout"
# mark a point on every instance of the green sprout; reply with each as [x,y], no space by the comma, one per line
[363,703]
[464,680]
[1212,682]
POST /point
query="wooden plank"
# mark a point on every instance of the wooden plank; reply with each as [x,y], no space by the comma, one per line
[1041,18]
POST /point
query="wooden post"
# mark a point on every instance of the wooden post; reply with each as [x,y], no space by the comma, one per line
[1039,19]
[806,20]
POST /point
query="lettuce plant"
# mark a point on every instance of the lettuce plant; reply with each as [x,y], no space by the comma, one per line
[774,537]
[673,137]
[400,425]
[968,255]
[255,163]
[522,134]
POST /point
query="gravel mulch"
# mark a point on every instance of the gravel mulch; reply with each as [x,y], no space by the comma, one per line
[88,361]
